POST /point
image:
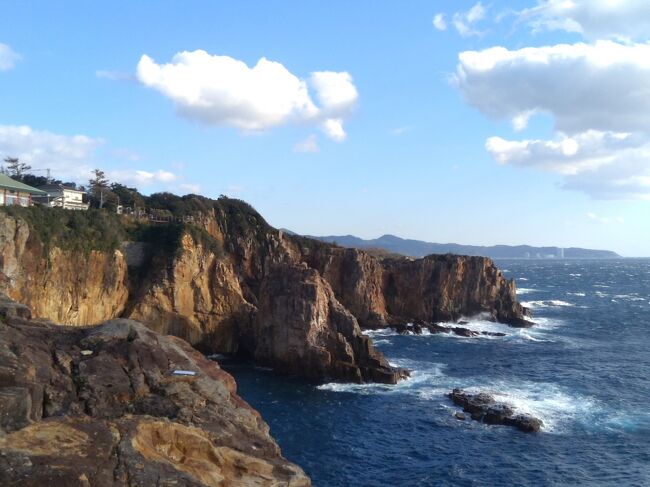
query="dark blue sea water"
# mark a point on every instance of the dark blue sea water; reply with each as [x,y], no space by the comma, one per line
[585,370]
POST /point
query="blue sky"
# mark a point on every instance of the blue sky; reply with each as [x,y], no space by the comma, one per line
[544,142]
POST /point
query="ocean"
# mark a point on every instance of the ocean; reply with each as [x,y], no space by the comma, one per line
[584,370]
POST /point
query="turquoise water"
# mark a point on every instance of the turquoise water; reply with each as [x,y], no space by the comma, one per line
[584,370]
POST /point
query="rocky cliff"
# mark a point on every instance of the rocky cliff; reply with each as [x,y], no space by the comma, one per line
[106,406]
[230,283]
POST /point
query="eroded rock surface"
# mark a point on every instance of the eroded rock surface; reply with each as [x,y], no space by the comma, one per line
[222,294]
[483,407]
[102,406]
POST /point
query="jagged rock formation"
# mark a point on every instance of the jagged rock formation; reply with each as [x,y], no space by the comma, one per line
[102,406]
[483,407]
[230,283]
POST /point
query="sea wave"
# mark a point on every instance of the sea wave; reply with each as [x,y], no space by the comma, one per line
[380,332]
[525,290]
[551,303]
[554,405]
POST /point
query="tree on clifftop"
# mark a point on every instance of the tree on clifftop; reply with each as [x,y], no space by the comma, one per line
[99,193]
[15,168]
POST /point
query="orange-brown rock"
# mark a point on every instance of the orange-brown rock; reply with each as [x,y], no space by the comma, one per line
[226,285]
[102,406]
[64,286]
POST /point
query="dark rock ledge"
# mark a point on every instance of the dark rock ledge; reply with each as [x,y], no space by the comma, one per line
[110,406]
[483,407]
[419,328]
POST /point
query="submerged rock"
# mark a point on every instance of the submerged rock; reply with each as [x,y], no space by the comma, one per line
[120,416]
[483,407]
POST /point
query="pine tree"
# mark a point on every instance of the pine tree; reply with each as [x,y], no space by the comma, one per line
[15,168]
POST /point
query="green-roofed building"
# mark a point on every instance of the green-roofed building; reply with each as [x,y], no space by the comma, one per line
[13,192]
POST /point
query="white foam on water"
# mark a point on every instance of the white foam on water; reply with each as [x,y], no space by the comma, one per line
[525,290]
[542,323]
[575,275]
[551,303]
[521,279]
[381,332]
[548,402]
[582,295]
[556,407]
[629,297]
[422,373]
[382,341]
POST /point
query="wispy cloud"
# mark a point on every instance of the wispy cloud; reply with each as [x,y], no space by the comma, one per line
[8,57]
[310,144]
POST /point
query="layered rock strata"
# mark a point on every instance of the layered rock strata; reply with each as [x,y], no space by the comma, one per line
[120,405]
[249,289]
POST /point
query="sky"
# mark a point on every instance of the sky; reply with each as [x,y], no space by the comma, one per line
[492,122]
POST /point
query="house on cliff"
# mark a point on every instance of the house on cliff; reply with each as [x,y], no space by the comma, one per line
[61,196]
[14,192]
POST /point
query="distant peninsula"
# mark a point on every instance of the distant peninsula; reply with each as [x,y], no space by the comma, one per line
[419,248]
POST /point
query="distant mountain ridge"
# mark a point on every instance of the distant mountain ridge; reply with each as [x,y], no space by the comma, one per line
[419,248]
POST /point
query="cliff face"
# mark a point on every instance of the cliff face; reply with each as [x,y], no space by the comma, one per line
[103,406]
[61,285]
[232,284]
[436,288]
[447,287]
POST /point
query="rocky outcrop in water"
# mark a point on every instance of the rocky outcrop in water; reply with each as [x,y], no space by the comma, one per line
[483,407]
[105,406]
[215,284]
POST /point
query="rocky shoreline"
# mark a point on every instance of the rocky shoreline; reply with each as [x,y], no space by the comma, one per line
[230,283]
[118,404]
[485,408]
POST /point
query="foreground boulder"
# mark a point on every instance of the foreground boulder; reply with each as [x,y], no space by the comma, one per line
[120,405]
[483,407]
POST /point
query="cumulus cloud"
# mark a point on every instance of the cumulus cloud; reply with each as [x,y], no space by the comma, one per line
[8,57]
[605,165]
[221,90]
[439,22]
[310,144]
[463,22]
[601,86]
[67,156]
[593,19]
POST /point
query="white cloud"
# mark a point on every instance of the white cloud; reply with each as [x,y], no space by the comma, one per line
[114,75]
[439,22]
[68,157]
[190,188]
[601,86]
[605,220]
[333,128]
[140,177]
[8,57]
[463,21]
[310,144]
[593,19]
[220,90]
[605,165]
[401,130]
